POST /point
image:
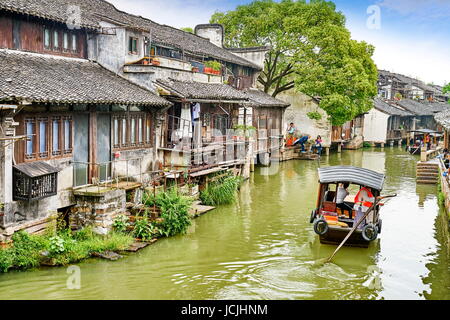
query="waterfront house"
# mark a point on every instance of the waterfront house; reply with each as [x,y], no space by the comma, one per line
[81,84]
[386,123]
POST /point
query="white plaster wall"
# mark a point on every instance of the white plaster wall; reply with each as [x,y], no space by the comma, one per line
[214,35]
[257,57]
[301,105]
[375,126]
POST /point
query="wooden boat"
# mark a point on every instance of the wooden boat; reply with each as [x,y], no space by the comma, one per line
[333,224]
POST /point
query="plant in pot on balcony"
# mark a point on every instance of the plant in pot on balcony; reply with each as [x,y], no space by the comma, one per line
[213,67]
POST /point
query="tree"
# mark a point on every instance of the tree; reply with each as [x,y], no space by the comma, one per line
[188,29]
[447,88]
[311,52]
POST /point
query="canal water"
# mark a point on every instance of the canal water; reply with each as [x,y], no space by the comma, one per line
[263,247]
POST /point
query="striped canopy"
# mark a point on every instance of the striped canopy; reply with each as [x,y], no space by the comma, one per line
[360,176]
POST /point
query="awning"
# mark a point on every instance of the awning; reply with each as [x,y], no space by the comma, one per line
[36,169]
[356,175]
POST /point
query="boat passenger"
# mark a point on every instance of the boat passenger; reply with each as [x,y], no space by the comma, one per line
[342,193]
[363,201]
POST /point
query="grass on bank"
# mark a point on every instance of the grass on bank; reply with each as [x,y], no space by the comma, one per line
[58,248]
[221,192]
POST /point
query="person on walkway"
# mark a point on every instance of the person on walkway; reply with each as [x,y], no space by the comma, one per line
[342,193]
[428,142]
[318,145]
[290,134]
[302,141]
[363,201]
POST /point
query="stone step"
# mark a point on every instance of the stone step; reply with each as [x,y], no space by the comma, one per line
[428,170]
[427,179]
[430,176]
[426,182]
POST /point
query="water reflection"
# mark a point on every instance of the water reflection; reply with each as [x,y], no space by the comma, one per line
[263,247]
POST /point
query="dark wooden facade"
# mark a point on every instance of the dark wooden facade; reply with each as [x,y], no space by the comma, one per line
[34,35]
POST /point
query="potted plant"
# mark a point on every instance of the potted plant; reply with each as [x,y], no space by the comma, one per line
[155,62]
[213,67]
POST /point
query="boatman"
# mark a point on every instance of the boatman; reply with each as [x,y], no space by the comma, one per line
[363,201]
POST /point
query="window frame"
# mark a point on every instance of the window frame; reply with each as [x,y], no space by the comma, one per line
[131,40]
[128,117]
[49,153]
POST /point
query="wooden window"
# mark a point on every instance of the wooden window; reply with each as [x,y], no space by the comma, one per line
[131,130]
[56,136]
[55,40]
[47,38]
[65,41]
[30,131]
[124,132]
[74,43]
[43,137]
[68,129]
[116,134]
[133,45]
[140,131]
[148,129]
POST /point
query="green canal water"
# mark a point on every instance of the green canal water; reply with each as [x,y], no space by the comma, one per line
[263,247]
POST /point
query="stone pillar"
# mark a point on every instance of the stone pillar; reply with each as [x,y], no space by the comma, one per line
[382,145]
[400,143]
[391,143]
[327,151]
[339,148]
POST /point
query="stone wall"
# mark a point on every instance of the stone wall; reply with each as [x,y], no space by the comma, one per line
[297,113]
[97,209]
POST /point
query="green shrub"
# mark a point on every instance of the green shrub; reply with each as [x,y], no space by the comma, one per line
[315,115]
[213,64]
[366,144]
[121,223]
[28,251]
[174,211]
[144,229]
[56,245]
[221,192]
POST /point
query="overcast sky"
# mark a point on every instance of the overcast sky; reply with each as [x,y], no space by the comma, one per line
[412,36]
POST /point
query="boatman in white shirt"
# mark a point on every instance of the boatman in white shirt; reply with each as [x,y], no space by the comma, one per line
[342,193]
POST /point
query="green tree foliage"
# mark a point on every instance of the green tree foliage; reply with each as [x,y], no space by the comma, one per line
[188,29]
[447,88]
[311,51]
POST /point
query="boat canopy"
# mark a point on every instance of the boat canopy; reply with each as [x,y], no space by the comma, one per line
[360,176]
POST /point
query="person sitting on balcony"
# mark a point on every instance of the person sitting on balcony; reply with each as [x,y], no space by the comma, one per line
[290,134]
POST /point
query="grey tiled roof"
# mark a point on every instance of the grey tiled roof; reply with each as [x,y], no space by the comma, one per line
[95,11]
[443,118]
[416,107]
[42,78]
[261,99]
[202,91]
[383,106]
